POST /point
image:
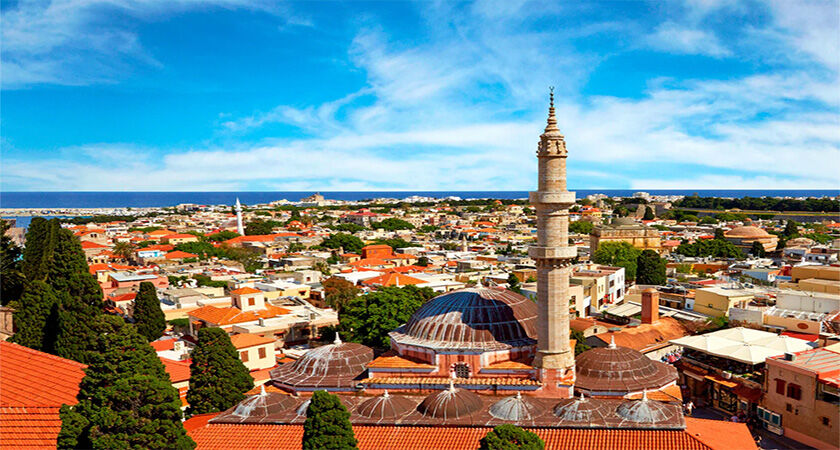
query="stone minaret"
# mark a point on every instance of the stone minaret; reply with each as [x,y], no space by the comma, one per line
[239,228]
[553,256]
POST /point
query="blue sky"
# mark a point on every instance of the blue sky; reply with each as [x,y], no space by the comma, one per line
[252,95]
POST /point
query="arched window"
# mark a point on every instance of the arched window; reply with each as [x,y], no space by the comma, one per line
[462,370]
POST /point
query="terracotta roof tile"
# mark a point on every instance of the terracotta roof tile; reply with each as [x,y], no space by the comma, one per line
[27,372]
[226,436]
[29,427]
[178,371]
[245,290]
[249,340]
[390,360]
[232,315]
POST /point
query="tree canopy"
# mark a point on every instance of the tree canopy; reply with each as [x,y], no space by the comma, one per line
[718,248]
[218,378]
[11,271]
[650,269]
[581,227]
[350,243]
[36,317]
[392,224]
[125,399]
[757,250]
[149,318]
[367,319]
[760,204]
[621,254]
[327,424]
[339,292]
[261,227]
[511,437]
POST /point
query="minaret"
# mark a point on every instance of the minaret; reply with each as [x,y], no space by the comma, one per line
[239,228]
[553,256]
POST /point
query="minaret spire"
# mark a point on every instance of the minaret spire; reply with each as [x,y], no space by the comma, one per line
[553,257]
[239,227]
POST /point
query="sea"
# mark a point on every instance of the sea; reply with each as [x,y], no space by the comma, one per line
[111,199]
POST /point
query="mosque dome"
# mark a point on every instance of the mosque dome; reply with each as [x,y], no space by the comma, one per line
[385,406]
[620,369]
[513,408]
[645,411]
[451,403]
[472,319]
[263,405]
[619,221]
[334,365]
[582,409]
[746,232]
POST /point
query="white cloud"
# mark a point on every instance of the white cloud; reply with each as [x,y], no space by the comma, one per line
[671,37]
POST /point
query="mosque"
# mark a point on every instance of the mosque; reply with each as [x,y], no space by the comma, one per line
[486,356]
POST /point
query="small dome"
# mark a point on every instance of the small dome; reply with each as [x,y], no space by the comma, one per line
[582,409]
[385,407]
[513,408]
[301,410]
[645,411]
[263,404]
[746,232]
[620,369]
[472,319]
[623,221]
[334,365]
[450,404]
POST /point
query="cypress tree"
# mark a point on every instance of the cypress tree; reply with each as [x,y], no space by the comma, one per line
[69,271]
[650,269]
[511,437]
[150,320]
[327,424]
[11,275]
[719,234]
[649,214]
[757,250]
[40,243]
[218,379]
[77,333]
[35,317]
[125,399]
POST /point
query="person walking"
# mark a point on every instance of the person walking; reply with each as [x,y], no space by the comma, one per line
[689,407]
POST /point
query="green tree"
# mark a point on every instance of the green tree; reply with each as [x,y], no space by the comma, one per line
[710,247]
[392,224]
[77,329]
[649,214]
[11,271]
[650,269]
[423,261]
[218,378]
[36,317]
[222,236]
[261,227]
[149,318]
[338,292]
[719,234]
[621,211]
[369,318]
[125,399]
[327,424]
[757,250]
[511,437]
[350,243]
[791,229]
[69,271]
[581,227]
[124,250]
[621,254]
[580,342]
[513,283]
[41,238]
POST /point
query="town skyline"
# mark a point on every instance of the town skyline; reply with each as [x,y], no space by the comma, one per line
[399,96]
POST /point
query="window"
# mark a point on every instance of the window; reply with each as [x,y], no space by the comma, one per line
[825,421]
[780,386]
[794,391]
[789,407]
[243,356]
[251,301]
[262,352]
[462,370]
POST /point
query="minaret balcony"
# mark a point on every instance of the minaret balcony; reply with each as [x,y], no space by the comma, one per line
[563,199]
[536,252]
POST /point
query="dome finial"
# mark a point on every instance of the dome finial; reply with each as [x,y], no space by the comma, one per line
[582,398]
[451,385]
[478,284]
[644,395]
[552,120]
[518,395]
[337,340]
[612,341]
[385,394]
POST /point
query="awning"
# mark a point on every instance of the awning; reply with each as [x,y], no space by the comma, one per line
[752,395]
[721,381]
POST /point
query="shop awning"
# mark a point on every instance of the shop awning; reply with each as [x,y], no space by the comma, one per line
[722,381]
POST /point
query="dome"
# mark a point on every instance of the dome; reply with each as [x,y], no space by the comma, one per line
[472,319]
[623,221]
[450,404]
[334,365]
[620,369]
[263,404]
[800,242]
[645,411]
[582,409]
[385,407]
[748,232]
[513,408]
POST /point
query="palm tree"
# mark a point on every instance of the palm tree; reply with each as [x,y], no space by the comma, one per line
[124,250]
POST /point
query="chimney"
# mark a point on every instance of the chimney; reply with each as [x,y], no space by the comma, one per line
[650,305]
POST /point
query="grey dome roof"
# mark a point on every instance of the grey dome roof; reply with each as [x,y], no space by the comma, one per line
[472,319]
[263,404]
[385,407]
[620,369]
[450,403]
[514,408]
[333,365]
[581,409]
[623,221]
[645,411]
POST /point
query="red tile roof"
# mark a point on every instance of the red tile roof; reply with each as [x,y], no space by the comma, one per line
[698,435]
[33,386]
[392,279]
[246,340]
[179,371]
[246,290]
[177,254]
[231,315]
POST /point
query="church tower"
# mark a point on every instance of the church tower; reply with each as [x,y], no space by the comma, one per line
[555,358]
